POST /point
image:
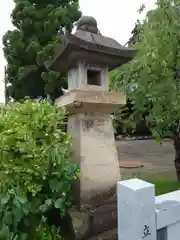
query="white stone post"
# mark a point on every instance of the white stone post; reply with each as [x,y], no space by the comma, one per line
[168,215]
[173,231]
[136,210]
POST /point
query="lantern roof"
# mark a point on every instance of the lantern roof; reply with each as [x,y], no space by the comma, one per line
[89,45]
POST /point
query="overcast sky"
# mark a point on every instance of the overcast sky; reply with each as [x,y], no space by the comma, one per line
[116,18]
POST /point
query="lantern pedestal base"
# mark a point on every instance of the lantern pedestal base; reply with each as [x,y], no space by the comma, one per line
[98,219]
[94,150]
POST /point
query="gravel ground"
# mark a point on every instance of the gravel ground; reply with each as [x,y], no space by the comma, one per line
[158,159]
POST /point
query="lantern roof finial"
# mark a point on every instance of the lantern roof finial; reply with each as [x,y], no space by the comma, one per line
[87,23]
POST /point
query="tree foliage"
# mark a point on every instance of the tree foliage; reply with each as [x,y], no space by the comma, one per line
[135,33]
[36,171]
[123,123]
[152,79]
[39,29]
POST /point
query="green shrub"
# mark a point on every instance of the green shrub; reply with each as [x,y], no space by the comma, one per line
[36,171]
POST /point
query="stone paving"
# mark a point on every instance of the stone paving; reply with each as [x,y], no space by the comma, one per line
[158,160]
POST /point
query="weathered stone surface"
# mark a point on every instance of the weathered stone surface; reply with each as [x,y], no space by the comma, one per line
[95,151]
[95,222]
[102,219]
[109,235]
[80,222]
[89,100]
[99,215]
[100,199]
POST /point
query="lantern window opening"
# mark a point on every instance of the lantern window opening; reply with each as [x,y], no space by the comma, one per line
[94,77]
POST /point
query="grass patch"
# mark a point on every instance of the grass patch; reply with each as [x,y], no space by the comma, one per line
[163,186]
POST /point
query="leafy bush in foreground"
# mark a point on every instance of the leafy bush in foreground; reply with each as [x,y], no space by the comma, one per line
[36,171]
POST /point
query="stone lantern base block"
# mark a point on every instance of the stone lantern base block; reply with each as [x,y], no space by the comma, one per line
[98,222]
[95,151]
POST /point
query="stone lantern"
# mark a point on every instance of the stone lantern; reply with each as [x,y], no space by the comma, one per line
[88,56]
